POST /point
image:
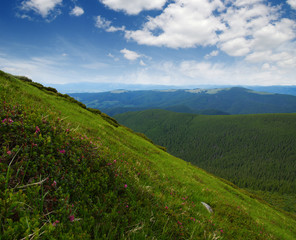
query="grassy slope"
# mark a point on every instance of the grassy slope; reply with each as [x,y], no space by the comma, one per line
[162,197]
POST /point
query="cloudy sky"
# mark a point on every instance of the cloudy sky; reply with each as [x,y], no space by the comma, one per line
[171,42]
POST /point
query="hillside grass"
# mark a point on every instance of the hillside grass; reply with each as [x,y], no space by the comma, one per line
[69,173]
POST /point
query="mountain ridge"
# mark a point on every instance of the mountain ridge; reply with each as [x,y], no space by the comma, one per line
[235,100]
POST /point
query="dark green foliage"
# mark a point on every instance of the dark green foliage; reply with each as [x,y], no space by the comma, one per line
[110,120]
[23,78]
[95,111]
[50,89]
[252,151]
[226,101]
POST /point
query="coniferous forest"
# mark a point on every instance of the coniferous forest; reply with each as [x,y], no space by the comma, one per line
[257,152]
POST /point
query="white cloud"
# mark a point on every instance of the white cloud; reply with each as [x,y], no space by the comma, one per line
[42,7]
[212,54]
[105,24]
[115,29]
[77,11]
[130,55]
[240,28]
[112,56]
[292,3]
[272,36]
[134,6]
[142,63]
[102,23]
[239,73]
[40,69]
[236,47]
[183,24]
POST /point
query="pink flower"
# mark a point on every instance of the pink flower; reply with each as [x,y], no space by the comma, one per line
[221,230]
[55,223]
[37,129]
[166,207]
[125,185]
[62,151]
[9,120]
[126,206]
[9,152]
[114,161]
[71,218]
[54,183]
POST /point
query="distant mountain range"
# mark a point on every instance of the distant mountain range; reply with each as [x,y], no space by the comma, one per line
[84,87]
[219,101]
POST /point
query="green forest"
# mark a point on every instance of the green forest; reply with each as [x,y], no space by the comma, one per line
[257,152]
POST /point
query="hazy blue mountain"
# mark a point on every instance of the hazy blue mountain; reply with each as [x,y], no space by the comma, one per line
[104,87]
[235,100]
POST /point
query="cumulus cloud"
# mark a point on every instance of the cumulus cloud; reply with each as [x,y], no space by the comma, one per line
[41,7]
[134,6]
[77,11]
[183,24]
[244,28]
[130,55]
[292,3]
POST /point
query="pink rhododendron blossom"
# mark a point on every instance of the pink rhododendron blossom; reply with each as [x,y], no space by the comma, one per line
[71,218]
[37,129]
[55,223]
[54,183]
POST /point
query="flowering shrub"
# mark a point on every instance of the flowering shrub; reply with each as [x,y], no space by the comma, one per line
[45,171]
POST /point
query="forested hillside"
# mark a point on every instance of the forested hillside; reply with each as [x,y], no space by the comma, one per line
[234,100]
[252,151]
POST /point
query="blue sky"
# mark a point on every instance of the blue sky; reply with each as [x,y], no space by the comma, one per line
[181,42]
